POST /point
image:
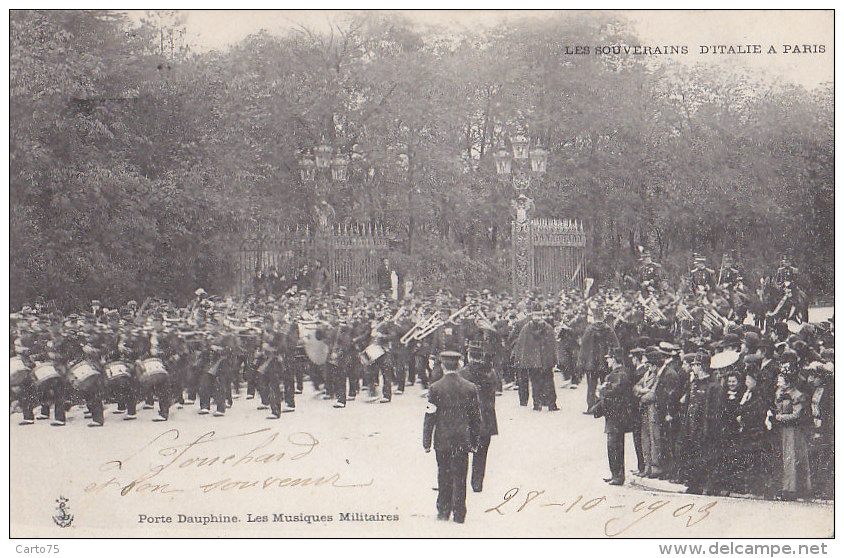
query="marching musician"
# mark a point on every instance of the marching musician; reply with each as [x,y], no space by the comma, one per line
[125,390]
[92,391]
[160,388]
[382,368]
[22,386]
[214,380]
[340,363]
[449,337]
[273,370]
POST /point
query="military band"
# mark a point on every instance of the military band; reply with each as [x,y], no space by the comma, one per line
[715,382]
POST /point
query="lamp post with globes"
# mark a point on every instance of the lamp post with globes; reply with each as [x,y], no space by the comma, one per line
[320,166]
[522,163]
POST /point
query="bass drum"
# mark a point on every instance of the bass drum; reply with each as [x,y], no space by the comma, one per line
[84,376]
[117,372]
[18,371]
[45,372]
[154,372]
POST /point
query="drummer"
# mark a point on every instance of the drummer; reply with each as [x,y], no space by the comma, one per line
[92,389]
[22,388]
[161,388]
[53,387]
[125,390]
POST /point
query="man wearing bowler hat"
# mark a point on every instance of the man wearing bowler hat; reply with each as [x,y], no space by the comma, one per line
[453,422]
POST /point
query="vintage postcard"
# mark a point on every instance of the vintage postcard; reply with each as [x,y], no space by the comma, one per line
[426,274]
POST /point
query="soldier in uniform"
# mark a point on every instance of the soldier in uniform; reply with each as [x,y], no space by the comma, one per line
[453,424]
[618,406]
[274,370]
[702,278]
[212,382]
[479,371]
[93,393]
[786,273]
[125,390]
[730,274]
[703,428]
[340,362]
[384,367]
[24,389]
[162,389]
[596,342]
[650,274]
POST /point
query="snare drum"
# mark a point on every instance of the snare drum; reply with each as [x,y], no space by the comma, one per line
[372,353]
[18,371]
[154,372]
[45,372]
[84,376]
[117,372]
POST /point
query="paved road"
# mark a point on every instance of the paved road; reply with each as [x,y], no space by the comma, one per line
[545,477]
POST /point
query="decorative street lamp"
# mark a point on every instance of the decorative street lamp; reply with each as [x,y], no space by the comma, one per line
[322,154]
[307,168]
[502,160]
[520,146]
[317,162]
[538,156]
[538,159]
[523,205]
[340,168]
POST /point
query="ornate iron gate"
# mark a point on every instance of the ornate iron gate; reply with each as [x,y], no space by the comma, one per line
[548,254]
[350,253]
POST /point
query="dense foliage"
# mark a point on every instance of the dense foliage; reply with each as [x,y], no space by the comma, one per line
[133,167]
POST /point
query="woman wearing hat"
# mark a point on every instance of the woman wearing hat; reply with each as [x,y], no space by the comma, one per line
[756,459]
[731,468]
[792,417]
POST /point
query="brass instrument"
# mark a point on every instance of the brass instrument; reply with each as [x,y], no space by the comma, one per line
[438,322]
[408,336]
[457,314]
[651,308]
[482,321]
[426,328]
[683,312]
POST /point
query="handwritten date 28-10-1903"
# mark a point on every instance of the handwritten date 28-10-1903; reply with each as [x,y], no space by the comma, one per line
[623,516]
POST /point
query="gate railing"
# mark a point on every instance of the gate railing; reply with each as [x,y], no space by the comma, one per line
[555,254]
[351,254]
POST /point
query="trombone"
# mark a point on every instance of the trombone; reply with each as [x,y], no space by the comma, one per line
[420,325]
